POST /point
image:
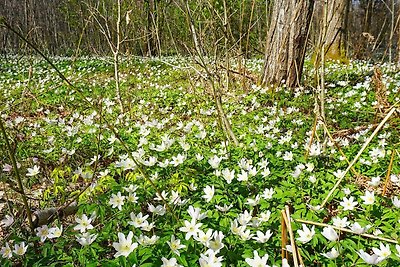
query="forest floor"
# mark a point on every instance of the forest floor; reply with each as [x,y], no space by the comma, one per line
[160,184]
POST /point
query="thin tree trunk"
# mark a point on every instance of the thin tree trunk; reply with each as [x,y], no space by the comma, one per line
[398,39]
[216,93]
[322,74]
[116,58]
[392,29]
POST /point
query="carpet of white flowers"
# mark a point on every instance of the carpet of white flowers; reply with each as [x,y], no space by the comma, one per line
[160,184]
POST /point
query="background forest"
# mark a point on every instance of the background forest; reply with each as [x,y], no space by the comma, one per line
[156,28]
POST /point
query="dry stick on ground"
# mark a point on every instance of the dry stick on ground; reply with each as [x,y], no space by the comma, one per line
[393,109]
[388,172]
[298,255]
[312,136]
[348,231]
[354,130]
[286,217]
[243,73]
[42,217]
[284,252]
[338,147]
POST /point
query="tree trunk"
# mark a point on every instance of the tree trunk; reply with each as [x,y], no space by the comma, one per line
[392,29]
[116,57]
[335,33]
[398,39]
[151,30]
[286,42]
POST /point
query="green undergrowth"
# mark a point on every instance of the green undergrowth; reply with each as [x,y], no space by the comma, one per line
[232,196]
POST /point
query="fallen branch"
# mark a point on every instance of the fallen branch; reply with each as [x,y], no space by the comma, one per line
[286,217]
[284,251]
[46,216]
[354,130]
[312,137]
[338,147]
[388,172]
[251,78]
[393,109]
[348,231]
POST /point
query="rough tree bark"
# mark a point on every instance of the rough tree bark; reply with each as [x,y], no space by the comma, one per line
[286,42]
[336,28]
